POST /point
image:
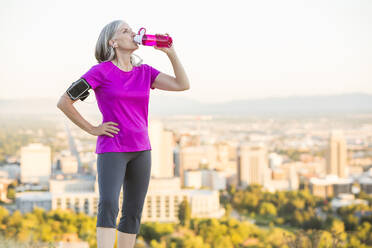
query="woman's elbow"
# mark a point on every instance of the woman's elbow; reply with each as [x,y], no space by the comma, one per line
[63,100]
[59,103]
[187,87]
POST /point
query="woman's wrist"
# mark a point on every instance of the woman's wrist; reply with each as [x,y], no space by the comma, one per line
[171,53]
[90,129]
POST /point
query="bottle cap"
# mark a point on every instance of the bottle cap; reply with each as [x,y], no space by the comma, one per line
[138,37]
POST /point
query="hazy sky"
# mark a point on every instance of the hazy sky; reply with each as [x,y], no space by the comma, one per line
[229,49]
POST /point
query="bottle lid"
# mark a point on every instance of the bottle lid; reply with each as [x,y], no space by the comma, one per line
[138,37]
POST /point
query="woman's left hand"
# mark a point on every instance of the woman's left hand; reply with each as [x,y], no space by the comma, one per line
[167,50]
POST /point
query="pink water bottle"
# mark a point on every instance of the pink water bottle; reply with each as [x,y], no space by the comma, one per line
[152,40]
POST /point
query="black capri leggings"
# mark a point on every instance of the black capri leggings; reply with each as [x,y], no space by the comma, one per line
[132,171]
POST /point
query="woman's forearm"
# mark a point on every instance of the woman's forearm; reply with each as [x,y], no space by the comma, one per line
[71,112]
[179,72]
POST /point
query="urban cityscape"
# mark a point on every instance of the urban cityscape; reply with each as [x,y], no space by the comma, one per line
[242,171]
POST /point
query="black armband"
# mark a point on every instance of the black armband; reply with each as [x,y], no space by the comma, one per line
[79,89]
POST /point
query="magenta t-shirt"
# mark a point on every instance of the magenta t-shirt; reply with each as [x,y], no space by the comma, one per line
[123,97]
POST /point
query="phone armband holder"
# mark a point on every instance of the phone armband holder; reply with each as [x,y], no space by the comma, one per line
[79,89]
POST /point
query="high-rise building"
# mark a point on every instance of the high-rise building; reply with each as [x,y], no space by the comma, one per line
[197,157]
[252,165]
[336,155]
[294,181]
[162,144]
[36,163]
[69,164]
[176,160]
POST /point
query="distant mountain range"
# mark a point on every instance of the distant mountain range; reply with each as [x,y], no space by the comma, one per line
[173,105]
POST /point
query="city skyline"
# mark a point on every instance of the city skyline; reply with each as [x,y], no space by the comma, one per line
[202,161]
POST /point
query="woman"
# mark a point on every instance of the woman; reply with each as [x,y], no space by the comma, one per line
[122,90]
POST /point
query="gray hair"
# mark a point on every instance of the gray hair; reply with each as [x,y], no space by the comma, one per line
[105,52]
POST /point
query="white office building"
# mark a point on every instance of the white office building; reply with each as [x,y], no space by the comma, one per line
[212,179]
[161,204]
[36,164]
[165,195]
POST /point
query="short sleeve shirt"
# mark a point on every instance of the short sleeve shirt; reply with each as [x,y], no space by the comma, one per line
[123,97]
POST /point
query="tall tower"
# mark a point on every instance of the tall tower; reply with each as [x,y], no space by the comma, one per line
[252,165]
[336,154]
[162,144]
[36,163]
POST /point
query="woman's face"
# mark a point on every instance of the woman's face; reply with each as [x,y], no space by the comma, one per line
[124,38]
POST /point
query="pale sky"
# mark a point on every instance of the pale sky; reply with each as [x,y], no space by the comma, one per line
[230,49]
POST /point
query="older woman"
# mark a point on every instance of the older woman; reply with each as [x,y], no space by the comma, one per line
[122,90]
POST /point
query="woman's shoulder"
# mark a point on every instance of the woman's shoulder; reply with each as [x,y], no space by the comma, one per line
[146,66]
[142,67]
[103,67]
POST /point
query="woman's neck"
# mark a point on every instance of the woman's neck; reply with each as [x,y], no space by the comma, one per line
[123,62]
[124,68]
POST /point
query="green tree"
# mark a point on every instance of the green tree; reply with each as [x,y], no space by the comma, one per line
[4,213]
[14,224]
[156,244]
[251,201]
[193,242]
[11,193]
[267,208]
[297,219]
[211,230]
[184,214]
[351,222]
[228,210]
[364,233]
[154,231]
